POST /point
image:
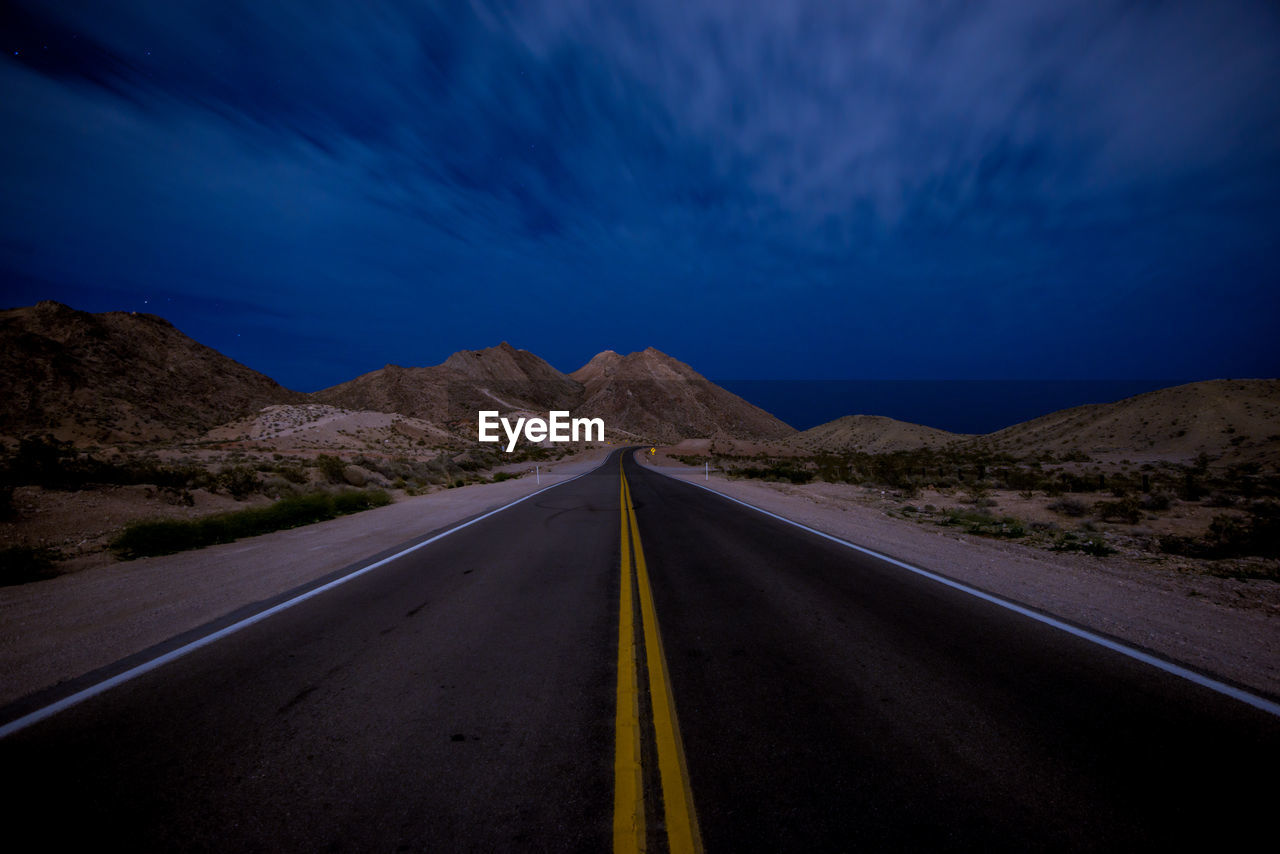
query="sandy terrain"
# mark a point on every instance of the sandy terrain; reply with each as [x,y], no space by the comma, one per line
[55,630]
[1224,626]
[316,426]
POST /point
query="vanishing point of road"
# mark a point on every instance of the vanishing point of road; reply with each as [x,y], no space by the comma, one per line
[628,662]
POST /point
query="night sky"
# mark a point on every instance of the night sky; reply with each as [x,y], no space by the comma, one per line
[768,190]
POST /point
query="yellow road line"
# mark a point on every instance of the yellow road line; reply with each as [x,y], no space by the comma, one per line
[628,779]
[683,836]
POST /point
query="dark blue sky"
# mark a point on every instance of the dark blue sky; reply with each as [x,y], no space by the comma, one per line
[773,190]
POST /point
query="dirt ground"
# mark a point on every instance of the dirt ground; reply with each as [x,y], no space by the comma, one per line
[80,524]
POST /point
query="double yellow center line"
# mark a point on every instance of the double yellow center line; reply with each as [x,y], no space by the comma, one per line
[628,791]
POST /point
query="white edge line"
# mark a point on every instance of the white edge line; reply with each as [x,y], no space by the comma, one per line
[1169,667]
[97,688]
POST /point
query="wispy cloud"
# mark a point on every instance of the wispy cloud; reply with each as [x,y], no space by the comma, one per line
[799,159]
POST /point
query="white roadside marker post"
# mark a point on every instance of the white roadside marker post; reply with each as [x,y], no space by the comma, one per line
[537,472]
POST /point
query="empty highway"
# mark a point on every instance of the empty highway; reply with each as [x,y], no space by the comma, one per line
[629,662]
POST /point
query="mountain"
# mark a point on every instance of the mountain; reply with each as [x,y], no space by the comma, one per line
[648,394]
[653,395]
[501,378]
[873,434]
[516,374]
[124,377]
[417,392]
[1230,420]
[118,377]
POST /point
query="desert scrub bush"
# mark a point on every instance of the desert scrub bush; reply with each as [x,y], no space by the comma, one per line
[1069,507]
[984,524]
[291,472]
[499,477]
[331,467]
[141,539]
[239,481]
[525,453]
[389,469]
[21,564]
[979,496]
[775,473]
[51,464]
[38,462]
[1095,546]
[275,486]
[1124,510]
[355,500]
[1258,535]
[1157,501]
[1017,478]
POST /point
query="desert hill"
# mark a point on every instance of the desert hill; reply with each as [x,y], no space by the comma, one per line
[873,434]
[118,377]
[416,392]
[501,378]
[126,377]
[645,395]
[651,394]
[1229,420]
[518,375]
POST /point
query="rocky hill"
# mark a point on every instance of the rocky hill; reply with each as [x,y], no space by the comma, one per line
[125,377]
[501,378]
[653,395]
[872,434]
[516,375]
[1229,420]
[417,392]
[118,377]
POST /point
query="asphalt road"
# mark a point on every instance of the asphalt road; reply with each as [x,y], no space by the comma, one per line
[465,697]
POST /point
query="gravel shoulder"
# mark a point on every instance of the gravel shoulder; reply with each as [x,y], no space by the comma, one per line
[1226,627]
[56,630]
